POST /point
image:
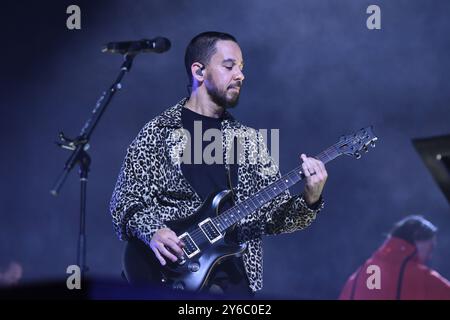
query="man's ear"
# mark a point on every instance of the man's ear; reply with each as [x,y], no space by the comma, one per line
[197,71]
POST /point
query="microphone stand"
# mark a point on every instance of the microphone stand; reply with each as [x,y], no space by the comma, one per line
[79,147]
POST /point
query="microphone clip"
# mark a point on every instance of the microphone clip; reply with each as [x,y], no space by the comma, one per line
[71,144]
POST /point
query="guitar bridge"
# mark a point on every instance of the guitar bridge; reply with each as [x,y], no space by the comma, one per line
[209,229]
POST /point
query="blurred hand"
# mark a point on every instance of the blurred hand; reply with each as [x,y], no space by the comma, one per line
[165,239]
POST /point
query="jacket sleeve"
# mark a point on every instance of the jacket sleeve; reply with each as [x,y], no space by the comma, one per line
[285,213]
[134,207]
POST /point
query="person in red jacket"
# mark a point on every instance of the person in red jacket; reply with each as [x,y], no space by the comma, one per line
[397,269]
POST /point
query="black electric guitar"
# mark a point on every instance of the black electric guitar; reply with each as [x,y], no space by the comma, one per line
[205,233]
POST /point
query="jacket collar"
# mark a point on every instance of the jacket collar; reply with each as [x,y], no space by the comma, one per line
[171,117]
[396,248]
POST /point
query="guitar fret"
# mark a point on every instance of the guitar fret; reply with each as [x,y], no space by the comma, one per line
[218,222]
[263,192]
[270,189]
[238,211]
[326,154]
[291,178]
[251,203]
[243,209]
[258,197]
[224,222]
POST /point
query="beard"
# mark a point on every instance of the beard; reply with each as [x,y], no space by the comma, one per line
[222,97]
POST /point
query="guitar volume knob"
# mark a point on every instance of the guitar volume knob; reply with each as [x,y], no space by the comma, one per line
[194,266]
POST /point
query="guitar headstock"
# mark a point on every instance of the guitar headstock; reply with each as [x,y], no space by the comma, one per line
[354,144]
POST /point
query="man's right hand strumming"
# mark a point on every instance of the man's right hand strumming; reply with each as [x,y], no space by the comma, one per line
[165,244]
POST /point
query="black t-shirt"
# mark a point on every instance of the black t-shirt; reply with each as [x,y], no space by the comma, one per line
[207,178]
[204,178]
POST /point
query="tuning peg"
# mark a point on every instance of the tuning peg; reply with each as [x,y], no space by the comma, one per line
[357,155]
[372,144]
[366,149]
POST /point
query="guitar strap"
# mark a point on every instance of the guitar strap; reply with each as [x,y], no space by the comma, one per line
[230,184]
[229,168]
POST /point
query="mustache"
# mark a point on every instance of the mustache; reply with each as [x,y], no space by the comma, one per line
[235,85]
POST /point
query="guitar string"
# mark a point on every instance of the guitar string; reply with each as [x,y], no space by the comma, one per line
[197,234]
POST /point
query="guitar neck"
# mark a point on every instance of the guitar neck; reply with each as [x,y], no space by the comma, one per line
[236,213]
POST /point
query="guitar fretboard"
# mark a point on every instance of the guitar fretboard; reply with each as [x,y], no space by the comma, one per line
[267,194]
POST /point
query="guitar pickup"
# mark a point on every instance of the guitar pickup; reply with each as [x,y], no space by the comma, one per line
[190,247]
[209,229]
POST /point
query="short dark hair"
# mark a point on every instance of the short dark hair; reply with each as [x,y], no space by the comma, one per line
[202,47]
[414,228]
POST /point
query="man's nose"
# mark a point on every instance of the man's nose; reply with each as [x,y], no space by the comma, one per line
[239,75]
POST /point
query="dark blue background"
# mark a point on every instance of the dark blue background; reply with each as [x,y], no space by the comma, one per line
[313,70]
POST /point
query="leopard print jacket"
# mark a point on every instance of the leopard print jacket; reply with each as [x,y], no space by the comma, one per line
[151,189]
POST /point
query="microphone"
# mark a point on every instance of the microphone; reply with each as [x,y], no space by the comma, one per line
[158,45]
